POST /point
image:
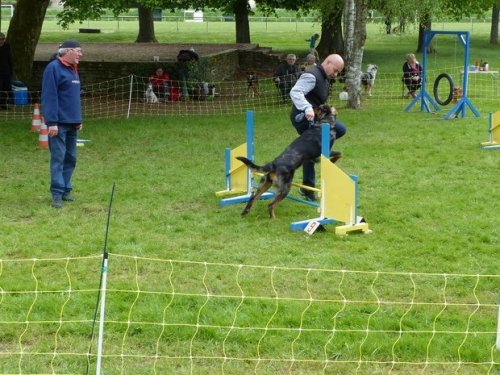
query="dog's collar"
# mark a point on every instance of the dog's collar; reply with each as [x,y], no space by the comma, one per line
[313,124]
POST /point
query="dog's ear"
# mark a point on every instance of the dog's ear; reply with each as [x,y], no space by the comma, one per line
[325,108]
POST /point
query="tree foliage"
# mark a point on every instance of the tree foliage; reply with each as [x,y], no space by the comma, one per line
[80,10]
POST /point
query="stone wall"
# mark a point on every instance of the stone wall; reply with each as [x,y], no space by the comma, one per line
[222,66]
[259,61]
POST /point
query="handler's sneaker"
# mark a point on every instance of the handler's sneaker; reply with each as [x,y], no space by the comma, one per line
[68,197]
[57,203]
[308,194]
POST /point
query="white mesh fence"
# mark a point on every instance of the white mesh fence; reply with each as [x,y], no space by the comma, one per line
[172,316]
[125,97]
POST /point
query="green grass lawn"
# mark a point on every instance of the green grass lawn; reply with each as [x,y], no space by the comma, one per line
[195,288]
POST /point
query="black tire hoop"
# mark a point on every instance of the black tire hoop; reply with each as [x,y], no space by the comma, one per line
[436,85]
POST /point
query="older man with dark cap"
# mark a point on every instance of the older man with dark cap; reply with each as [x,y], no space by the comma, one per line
[5,71]
[61,107]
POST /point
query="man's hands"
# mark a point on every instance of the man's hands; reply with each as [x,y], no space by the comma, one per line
[54,129]
[309,114]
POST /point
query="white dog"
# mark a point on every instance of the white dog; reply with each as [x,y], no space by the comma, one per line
[368,78]
[149,95]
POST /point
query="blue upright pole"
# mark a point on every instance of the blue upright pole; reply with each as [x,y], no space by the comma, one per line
[250,146]
[459,107]
[325,140]
[250,134]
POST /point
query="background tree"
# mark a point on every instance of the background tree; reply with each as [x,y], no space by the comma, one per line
[425,23]
[454,9]
[81,10]
[395,12]
[239,8]
[330,14]
[356,15]
[332,38]
[494,24]
[23,35]
[146,25]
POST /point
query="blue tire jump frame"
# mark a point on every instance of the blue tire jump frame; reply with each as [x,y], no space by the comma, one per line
[425,98]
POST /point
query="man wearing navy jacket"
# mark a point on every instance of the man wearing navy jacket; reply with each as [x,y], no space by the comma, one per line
[61,108]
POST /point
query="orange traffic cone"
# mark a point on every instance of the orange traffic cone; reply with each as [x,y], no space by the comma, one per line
[36,121]
[43,138]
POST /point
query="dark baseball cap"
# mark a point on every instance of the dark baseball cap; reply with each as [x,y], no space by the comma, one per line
[70,43]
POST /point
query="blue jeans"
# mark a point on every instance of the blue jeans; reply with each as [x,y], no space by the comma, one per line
[62,160]
[301,125]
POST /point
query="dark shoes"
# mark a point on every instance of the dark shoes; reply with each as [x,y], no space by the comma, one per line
[308,194]
[68,197]
[57,203]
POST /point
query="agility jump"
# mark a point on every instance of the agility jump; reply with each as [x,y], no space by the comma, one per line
[338,190]
[494,130]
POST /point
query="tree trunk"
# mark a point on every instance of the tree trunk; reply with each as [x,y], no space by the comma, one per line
[349,18]
[242,24]
[23,35]
[146,25]
[332,40]
[424,24]
[353,72]
[494,24]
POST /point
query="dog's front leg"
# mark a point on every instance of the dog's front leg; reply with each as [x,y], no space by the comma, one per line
[248,207]
[265,184]
[277,199]
[283,185]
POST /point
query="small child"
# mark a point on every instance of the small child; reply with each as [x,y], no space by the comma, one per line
[312,45]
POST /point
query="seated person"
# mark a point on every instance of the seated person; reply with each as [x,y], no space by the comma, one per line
[160,79]
[310,62]
[286,75]
[412,75]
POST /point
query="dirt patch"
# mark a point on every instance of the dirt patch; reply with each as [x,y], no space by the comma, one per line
[114,52]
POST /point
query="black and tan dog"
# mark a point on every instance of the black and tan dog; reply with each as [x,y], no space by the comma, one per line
[280,171]
[252,84]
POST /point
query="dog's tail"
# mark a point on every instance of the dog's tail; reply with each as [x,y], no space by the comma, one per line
[251,164]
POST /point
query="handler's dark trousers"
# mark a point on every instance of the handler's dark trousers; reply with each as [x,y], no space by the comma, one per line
[62,160]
